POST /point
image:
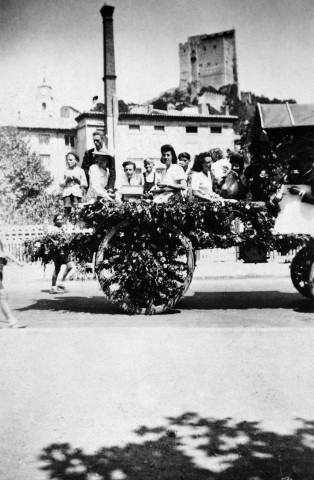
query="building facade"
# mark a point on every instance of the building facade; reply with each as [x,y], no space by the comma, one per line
[208,60]
[141,135]
[50,131]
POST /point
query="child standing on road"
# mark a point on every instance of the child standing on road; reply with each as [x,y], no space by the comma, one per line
[74,183]
[4,257]
[60,260]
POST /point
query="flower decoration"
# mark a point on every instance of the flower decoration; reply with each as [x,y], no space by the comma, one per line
[146,262]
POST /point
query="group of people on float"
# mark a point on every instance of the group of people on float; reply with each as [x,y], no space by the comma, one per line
[205,180]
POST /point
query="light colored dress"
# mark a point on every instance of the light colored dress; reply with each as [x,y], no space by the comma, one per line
[203,184]
[73,187]
[98,181]
[173,176]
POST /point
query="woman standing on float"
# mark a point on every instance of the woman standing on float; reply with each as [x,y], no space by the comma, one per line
[174,181]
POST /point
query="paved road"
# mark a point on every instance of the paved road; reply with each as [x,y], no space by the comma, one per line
[242,364]
[249,302]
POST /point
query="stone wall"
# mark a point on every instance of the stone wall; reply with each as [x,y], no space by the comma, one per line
[208,60]
[216,100]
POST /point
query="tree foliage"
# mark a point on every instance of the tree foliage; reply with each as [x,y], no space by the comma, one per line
[181,98]
[23,178]
[123,107]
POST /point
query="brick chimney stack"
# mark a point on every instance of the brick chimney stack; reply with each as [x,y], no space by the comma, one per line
[110,97]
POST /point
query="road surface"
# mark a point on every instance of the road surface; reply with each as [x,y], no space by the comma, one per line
[222,387]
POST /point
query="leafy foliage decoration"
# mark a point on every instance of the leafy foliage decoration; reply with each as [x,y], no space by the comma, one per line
[145,263]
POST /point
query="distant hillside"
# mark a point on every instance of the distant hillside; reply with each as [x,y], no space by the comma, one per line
[243,110]
[181,98]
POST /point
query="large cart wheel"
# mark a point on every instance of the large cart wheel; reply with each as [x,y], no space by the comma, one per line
[302,273]
[146,267]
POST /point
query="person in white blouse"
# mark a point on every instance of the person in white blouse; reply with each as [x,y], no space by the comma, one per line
[174,181]
[201,183]
[99,176]
[73,184]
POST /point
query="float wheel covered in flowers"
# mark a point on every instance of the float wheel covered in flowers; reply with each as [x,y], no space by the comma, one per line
[145,267]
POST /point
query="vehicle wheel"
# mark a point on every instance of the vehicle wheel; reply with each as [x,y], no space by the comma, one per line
[302,273]
[146,267]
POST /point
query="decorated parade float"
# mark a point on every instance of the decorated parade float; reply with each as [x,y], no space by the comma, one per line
[144,252]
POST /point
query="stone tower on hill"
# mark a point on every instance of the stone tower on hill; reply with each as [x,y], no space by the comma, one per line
[208,60]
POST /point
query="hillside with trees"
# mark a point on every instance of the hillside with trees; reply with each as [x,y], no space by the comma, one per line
[182,98]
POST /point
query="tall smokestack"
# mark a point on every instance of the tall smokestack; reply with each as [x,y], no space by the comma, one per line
[110,97]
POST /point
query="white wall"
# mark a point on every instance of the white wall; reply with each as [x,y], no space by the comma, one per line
[147,142]
[56,149]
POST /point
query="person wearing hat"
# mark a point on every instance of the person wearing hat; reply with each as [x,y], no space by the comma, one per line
[235,185]
[89,159]
[99,175]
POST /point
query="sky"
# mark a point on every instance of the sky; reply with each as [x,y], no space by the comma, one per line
[63,40]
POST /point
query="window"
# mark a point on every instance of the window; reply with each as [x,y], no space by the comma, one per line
[215,130]
[44,106]
[46,161]
[200,65]
[215,46]
[44,139]
[159,128]
[191,129]
[208,64]
[134,128]
[69,140]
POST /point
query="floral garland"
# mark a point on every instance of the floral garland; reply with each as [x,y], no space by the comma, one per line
[146,264]
[153,270]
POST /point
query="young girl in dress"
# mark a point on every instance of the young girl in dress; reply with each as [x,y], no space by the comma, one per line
[74,181]
[4,257]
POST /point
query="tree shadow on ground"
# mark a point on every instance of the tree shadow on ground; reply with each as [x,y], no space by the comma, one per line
[198,301]
[191,447]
